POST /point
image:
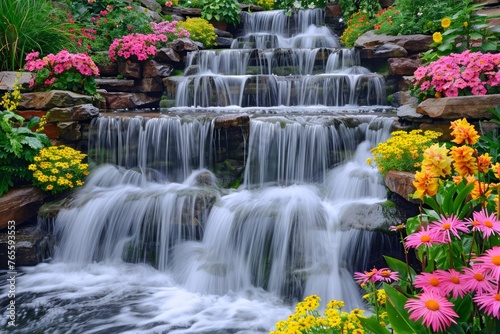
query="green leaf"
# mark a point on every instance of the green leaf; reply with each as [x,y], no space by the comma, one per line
[5,182]
[401,267]
[464,308]
[33,142]
[398,315]
[462,194]
[33,122]
[373,325]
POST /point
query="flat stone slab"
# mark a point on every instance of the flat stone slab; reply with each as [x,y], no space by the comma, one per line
[20,205]
[475,107]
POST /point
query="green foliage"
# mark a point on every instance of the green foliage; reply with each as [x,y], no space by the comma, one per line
[191,3]
[18,147]
[358,24]
[292,5]
[27,25]
[200,30]
[463,29]
[367,7]
[221,10]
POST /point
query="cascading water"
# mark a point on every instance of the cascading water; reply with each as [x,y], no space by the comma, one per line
[153,244]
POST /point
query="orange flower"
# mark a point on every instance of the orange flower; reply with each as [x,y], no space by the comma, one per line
[437,160]
[426,183]
[463,132]
[496,170]
[463,160]
[483,163]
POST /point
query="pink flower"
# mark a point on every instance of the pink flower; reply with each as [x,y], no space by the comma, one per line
[430,282]
[50,81]
[168,4]
[486,223]
[476,280]
[489,302]
[452,282]
[433,309]
[450,226]
[426,237]
[490,260]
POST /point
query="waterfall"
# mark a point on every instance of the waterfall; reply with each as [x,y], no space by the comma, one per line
[152,243]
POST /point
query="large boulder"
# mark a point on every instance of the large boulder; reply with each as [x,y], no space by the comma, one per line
[52,99]
[370,42]
[20,205]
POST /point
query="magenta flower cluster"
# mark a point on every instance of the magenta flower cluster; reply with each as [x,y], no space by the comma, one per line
[61,62]
[64,70]
[169,29]
[480,279]
[467,73]
[135,46]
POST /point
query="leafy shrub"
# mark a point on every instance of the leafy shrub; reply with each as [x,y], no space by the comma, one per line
[403,151]
[221,10]
[467,73]
[136,47]
[58,168]
[66,71]
[27,25]
[368,7]
[170,29]
[191,3]
[357,25]
[200,30]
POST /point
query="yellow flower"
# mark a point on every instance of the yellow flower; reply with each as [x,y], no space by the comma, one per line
[436,159]
[464,132]
[466,24]
[437,37]
[463,160]
[49,187]
[426,183]
[32,167]
[445,23]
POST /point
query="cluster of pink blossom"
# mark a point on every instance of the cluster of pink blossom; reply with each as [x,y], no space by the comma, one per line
[467,73]
[135,46]
[169,29]
[376,275]
[480,279]
[61,62]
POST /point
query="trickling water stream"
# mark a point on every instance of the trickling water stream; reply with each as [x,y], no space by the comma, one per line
[153,244]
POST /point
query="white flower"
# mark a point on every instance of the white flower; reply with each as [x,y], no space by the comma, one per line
[311,6]
[420,13]
[296,4]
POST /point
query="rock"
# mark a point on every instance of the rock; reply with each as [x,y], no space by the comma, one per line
[151,5]
[152,15]
[401,183]
[154,69]
[20,205]
[389,50]
[407,111]
[108,70]
[227,121]
[411,43]
[363,216]
[223,33]
[167,54]
[403,97]
[224,42]
[475,107]
[130,100]
[183,11]
[8,78]
[148,85]
[84,112]
[52,99]
[116,85]
[130,69]
[403,66]
[33,246]
[69,131]
[170,86]
[183,44]
[333,10]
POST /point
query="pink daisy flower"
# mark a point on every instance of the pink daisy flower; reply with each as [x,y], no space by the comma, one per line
[476,280]
[387,275]
[426,236]
[450,226]
[489,302]
[434,310]
[486,223]
[431,282]
[451,281]
[490,261]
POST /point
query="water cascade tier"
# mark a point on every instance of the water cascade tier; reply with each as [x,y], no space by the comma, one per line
[202,222]
[280,62]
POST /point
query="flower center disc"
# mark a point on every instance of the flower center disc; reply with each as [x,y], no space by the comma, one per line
[432,305]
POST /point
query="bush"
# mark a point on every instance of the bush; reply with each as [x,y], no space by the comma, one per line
[403,151]
[58,168]
[468,73]
[136,47]
[357,25]
[66,71]
[200,30]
